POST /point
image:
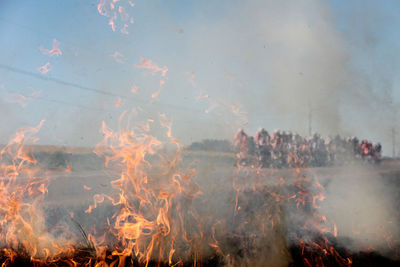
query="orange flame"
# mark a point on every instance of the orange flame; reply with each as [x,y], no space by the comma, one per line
[22,191]
[148,64]
[115,11]
[144,224]
[45,68]
[118,57]
[118,103]
[22,99]
[54,51]
[134,89]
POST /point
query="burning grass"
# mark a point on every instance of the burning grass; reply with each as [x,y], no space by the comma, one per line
[158,210]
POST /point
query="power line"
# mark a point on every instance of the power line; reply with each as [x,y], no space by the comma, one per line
[66,83]
[46,78]
[94,90]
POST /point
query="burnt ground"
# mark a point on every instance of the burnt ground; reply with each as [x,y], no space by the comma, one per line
[362,200]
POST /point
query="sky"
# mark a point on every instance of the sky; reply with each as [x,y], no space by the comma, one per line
[211,67]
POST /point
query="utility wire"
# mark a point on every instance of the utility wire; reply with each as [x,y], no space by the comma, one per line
[46,78]
[94,90]
[78,86]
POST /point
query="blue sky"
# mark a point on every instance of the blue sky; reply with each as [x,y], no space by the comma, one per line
[272,59]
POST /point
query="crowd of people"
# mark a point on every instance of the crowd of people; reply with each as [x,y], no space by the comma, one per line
[285,149]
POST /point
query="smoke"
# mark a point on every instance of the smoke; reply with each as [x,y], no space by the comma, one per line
[287,58]
[290,58]
[308,63]
[362,202]
[277,60]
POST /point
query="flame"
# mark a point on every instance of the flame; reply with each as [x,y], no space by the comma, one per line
[134,89]
[148,64]
[202,95]
[116,13]
[124,15]
[22,99]
[149,221]
[334,230]
[101,7]
[54,51]
[45,68]
[87,188]
[213,103]
[155,94]
[22,190]
[124,30]
[118,102]
[112,24]
[167,124]
[118,57]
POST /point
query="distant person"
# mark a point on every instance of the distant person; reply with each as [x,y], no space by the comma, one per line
[263,150]
[240,142]
[377,152]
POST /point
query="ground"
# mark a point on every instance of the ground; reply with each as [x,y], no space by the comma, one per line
[359,200]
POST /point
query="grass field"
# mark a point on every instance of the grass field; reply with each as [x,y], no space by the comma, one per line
[362,200]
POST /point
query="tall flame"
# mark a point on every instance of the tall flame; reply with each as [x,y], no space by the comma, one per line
[150,220]
[23,187]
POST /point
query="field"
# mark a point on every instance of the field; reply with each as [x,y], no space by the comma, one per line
[252,213]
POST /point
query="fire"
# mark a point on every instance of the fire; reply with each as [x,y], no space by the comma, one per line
[54,51]
[124,30]
[45,68]
[148,64]
[116,12]
[149,223]
[134,89]
[153,217]
[112,24]
[167,124]
[309,194]
[23,99]
[160,213]
[23,187]
[154,68]
[118,102]
[87,188]
[118,57]
[123,13]
[155,94]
